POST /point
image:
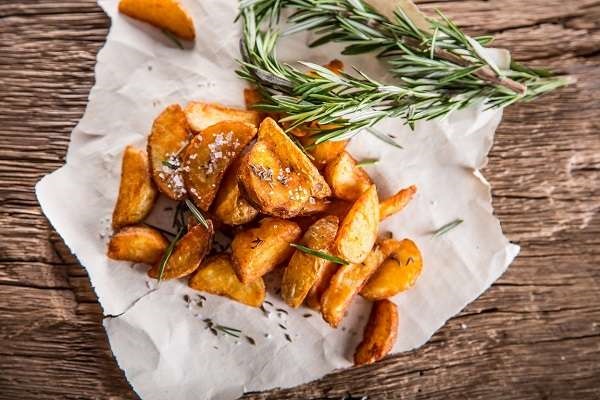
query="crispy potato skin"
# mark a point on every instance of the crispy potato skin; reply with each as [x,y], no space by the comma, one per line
[259,250]
[326,152]
[315,294]
[139,243]
[187,255]
[397,202]
[285,149]
[202,115]
[208,156]
[170,134]
[346,180]
[230,206]
[137,192]
[167,14]
[304,269]
[358,231]
[380,333]
[397,273]
[347,282]
[271,185]
[216,276]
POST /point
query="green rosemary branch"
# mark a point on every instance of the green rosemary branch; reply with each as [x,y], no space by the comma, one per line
[320,254]
[439,70]
[168,253]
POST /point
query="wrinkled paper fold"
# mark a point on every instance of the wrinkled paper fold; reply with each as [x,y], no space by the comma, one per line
[162,343]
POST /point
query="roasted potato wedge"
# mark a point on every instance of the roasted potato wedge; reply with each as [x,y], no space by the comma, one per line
[313,298]
[170,134]
[187,255]
[166,14]
[202,115]
[304,270]
[397,273]
[137,192]
[347,181]
[315,206]
[396,203]
[347,282]
[139,243]
[380,333]
[326,152]
[285,149]
[259,250]
[217,276]
[208,156]
[271,185]
[230,206]
[358,231]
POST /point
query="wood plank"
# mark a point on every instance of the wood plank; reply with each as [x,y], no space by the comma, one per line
[534,334]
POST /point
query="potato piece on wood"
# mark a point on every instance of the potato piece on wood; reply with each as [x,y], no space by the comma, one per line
[259,250]
[358,231]
[202,115]
[208,156]
[396,203]
[397,273]
[170,134]
[285,149]
[230,206]
[187,255]
[217,276]
[137,192]
[140,244]
[270,183]
[346,283]
[347,181]
[166,14]
[380,333]
[304,269]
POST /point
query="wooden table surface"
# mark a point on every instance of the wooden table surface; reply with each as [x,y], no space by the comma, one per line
[534,335]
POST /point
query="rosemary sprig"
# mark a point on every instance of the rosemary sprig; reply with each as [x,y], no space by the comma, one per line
[197,213]
[320,254]
[448,227]
[439,69]
[168,252]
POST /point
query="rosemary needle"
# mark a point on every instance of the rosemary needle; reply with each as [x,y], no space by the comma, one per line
[197,213]
[320,254]
[366,162]
[448,227]
[168,253]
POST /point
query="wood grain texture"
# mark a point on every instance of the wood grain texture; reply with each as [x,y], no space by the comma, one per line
[534,335]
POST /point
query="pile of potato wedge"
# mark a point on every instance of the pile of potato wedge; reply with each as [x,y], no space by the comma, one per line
[311,211]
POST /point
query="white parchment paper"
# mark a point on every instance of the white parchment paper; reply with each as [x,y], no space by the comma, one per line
[162,343]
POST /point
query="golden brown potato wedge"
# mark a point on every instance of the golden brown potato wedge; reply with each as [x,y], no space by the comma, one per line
[313,298]
[358,231]
[285,149]
[202,115]
[315,206]
[396,203]
[217,276]
[170,134]
[259,250]
[137,243]
[166,14]
[347,181]
[326,152]
[137,192]
[346,283]
[187,255]
[304,269]
[380,333]
[271,185]
[252,97]
[230,206]
[397,273]
[208,156]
